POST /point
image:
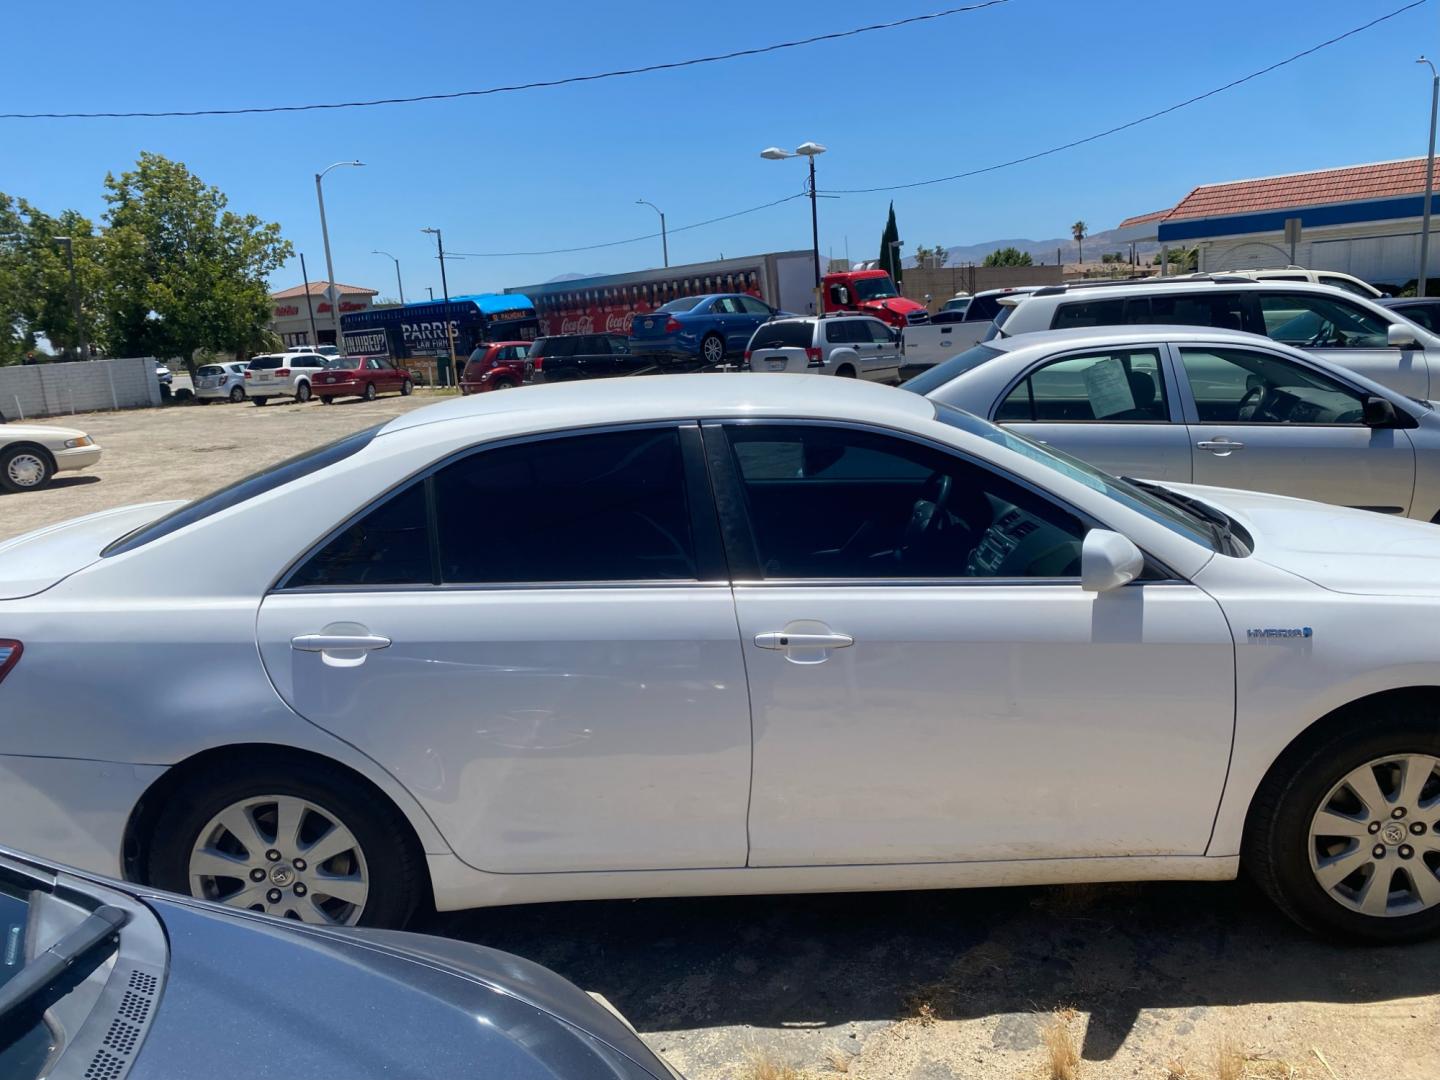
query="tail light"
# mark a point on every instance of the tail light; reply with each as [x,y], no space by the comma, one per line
[672,325]
[814,358]
[281,373]
[9,656]
[747,356]
[539,364]
[247,373]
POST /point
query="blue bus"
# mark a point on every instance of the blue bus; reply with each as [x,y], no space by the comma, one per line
[418,329]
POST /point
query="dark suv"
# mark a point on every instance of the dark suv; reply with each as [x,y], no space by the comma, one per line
[584,356]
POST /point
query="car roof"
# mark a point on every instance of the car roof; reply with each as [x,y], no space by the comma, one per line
[1126,335]
[669,397]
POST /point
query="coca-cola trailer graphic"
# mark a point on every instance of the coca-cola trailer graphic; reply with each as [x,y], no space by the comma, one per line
[607,304]
[420,329]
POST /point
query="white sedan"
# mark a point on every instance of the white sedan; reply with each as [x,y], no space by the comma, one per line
[724,636]
[31,454]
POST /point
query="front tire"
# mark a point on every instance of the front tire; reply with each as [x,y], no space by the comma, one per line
[237,394]
[25,468]
[712,349]
[261,400]
[312,844]
[1344,834]
[406,387]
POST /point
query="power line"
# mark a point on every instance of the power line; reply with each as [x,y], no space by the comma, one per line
[632,240]
[1133,123]
[567,81]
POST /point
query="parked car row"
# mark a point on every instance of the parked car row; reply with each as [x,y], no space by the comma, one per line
[301,375]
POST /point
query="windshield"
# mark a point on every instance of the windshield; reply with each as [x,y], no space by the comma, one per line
[25,1044]
[874,288]
[946,370]
[685,303]
[1176,518]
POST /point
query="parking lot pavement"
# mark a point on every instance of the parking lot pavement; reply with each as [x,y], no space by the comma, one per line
[181,451]
[946,985]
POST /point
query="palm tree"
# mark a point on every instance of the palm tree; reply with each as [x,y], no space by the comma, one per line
[1078,231]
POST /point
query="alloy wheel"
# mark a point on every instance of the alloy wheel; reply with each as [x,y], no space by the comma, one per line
[370,391]
[714,350]
[282,855]
[26,470]
[1374,845]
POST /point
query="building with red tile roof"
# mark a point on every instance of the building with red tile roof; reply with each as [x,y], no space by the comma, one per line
[291,316]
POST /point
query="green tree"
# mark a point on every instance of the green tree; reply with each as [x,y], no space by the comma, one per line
[36,293]
[935,256]
[183,271]
[1008,256]
[1078,231]
[889,250]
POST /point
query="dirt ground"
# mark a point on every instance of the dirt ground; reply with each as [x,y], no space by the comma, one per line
[1148,981]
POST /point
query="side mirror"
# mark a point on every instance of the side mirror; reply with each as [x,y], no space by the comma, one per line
[896,334]
[1108,560]
[1401,336]
[1379,412]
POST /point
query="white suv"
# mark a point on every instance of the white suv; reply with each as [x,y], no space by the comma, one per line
[282,375]
[854,346]
[1334,278]
[1345,329]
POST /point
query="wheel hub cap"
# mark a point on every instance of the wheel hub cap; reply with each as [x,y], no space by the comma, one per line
[26,470]
[282,855]
[1373,842]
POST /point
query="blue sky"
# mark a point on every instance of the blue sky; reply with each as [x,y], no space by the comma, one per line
[563,167]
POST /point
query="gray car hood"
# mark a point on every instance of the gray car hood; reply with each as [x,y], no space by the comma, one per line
[252,999]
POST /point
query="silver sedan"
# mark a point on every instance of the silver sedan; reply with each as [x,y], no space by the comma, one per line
[1203,406]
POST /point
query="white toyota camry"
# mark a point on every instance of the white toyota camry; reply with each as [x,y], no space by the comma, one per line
[704,635]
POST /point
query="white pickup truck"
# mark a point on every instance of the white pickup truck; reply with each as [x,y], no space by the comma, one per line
[951,332]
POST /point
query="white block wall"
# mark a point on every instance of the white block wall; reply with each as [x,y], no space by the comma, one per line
[60,389]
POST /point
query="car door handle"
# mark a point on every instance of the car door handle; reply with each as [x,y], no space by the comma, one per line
[339,642]
[1220,446]
[779,639]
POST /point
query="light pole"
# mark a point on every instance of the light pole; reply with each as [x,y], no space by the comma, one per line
[664,243]
[329,266]
[75,295]
[398,283]
[445,288]
[1429,179]
[810,150]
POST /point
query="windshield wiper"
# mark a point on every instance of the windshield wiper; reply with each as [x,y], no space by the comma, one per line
[1219,524]
[42,972]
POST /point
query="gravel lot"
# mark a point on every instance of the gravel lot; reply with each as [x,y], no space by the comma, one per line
[1150,981]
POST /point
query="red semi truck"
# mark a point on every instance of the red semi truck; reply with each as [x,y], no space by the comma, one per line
[870,292]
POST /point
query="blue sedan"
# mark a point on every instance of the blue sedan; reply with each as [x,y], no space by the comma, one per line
[707,328]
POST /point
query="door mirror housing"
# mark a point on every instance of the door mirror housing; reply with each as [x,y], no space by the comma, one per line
[1379,412]
[1108,560]
[1401,336]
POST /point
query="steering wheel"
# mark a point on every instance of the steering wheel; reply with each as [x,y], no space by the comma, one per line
[1256,392]
[928,515]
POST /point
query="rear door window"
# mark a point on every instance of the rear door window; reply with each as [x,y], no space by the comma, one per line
[1114,386]
[753,306]
[1223,310]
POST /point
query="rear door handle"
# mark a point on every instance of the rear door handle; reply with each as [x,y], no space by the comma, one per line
[1220,446]
[779,639]
[339,642]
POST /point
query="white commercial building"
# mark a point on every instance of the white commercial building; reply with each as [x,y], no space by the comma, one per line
[293,314]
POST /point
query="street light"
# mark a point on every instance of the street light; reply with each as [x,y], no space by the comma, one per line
[445,288]
[398,284]
[664,243]
[329,266]
[810,150]
[1429,179]
[75,295]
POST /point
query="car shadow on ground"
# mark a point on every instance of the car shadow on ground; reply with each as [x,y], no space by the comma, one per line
[59,482]
[827,960]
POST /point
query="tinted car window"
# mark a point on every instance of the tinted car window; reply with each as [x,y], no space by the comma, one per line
[617,344]
[685,303]
[982,309]
[255,484]
[1345,283]
[838,503]
[1225,310]
[783,335]
[753,306]
[943,372]
[877,331]
[210,369]
[266,363]
[726,305]
[1107,312]
[838,331]
[388,546]
[601,507]
[1427,315]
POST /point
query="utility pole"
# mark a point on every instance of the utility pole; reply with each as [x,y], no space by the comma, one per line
[445,288]
[75,296]
[398,283]
[305,276]
[1429,180]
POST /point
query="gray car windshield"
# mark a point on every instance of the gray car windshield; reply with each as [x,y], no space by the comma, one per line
[1176,518]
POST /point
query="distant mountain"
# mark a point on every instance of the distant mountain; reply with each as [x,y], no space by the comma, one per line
[567,277]
[1096,244]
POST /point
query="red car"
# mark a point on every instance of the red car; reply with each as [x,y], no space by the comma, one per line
[360,376]
[500,365]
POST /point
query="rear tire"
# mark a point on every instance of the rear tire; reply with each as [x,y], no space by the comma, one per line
[385,856]
[261,401]
[1320,849]
[237,394]
[302,393]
